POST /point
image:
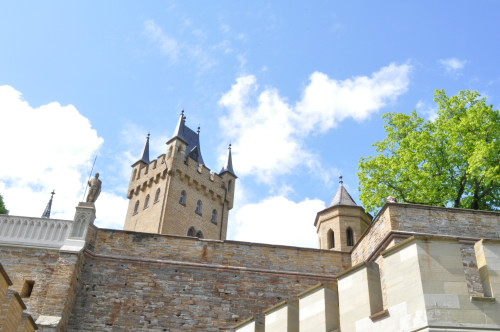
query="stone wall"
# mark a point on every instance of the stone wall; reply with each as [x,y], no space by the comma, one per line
[404,220]
[170,283]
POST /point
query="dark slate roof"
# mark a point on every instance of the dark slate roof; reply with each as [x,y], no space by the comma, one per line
[145,152]
[342,197]
[228,166]
[46,213]
[190,137]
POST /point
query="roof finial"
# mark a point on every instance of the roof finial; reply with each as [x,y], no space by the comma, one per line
[198,132]
[229,146]
[340,177]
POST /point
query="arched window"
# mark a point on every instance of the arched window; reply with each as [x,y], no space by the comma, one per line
[157,195]
[146,202]
[190,231]
[198,207]
[350,237]
[214,216]
[229,185]
[182,199]
[136,207]
[331,239]
[199,235]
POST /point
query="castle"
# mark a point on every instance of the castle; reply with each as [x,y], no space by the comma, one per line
[409,268]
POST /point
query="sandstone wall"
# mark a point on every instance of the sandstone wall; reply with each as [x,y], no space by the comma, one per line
[408,219]
[132,281]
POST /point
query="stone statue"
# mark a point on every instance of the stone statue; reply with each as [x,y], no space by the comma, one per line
[94,189]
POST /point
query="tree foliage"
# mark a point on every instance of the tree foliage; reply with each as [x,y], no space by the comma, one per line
[3,209]
[452,161]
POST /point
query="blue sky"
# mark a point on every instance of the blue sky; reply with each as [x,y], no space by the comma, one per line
[297,89]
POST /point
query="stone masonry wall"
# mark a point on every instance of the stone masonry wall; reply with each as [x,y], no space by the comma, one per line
[408,219]
[143,282]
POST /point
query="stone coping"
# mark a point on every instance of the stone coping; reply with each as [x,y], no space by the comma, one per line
[315,287]
[17,297]
[245,322]
[279,305]
[357,207]
[31,320]
[5,275]
[351,270]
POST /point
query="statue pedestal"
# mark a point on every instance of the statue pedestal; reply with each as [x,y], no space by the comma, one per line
[84,217]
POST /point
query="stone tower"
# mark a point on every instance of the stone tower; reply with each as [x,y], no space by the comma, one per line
[177,194]
[341,224]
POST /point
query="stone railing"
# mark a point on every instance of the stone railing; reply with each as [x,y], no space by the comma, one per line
[34,232]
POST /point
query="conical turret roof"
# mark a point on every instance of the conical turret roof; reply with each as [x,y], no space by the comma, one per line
[46,213]
[228,166]
[190,137]
[145,152]
[342,197]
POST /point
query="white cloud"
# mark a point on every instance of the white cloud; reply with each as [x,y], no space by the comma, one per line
[430,112]
[45,148]
[168,45]
[284,221]
[268,132]
[453,65]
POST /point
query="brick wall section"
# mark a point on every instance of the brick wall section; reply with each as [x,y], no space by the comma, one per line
[471,270]
[11,310]
[170,283]
[413,219]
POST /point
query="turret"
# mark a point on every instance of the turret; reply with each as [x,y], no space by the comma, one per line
[342,223]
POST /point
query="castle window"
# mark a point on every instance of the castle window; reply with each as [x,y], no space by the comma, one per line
[199,235]
[214,216]
[182,199]
[350,237]
[157,195]
[134,174]
[27,288]
[331,239]
[136,207]
[229,185]
[169,152]
[198,207]
[146,202]
[190,231]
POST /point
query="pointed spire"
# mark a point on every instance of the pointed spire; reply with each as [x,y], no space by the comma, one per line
[179,130]
[342,197]
[228,166]
[46,213]
[145,152]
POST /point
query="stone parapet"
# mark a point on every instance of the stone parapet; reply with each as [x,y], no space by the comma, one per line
[33,232]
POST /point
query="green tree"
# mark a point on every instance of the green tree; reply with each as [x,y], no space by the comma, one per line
[3,209]
[452,161]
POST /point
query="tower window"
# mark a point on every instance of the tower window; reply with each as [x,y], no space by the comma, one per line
[214,216]
[146,202]
[182,199]
[136,207]
[198,207]
[157,195]
[229,185]
[27,288]
[199,235]
[331,239]
[350,237]
[190,231]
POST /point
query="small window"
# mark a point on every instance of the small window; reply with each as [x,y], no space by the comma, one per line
[214,216]
[198,207]
[350,238]
[190,231]
[182,199]
[157,195]
[199,235]
[27,288]
[229,185]
[134,174]
[169,152]
[136,207]
[331,239]
[146,202]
